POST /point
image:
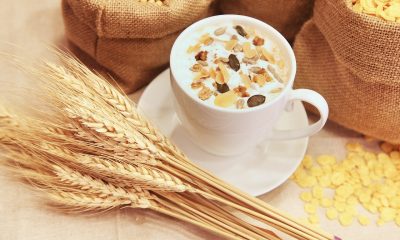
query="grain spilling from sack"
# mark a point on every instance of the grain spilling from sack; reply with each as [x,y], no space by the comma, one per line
[352,60]
[388,10]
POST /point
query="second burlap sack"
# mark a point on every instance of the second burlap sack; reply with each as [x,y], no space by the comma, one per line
[286,16]
[131,39]
[353,60]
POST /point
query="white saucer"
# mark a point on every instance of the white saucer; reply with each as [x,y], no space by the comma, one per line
[255,172]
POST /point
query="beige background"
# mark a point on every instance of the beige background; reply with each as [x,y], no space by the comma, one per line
[26,27]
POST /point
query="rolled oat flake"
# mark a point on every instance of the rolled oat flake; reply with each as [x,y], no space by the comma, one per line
[255,100]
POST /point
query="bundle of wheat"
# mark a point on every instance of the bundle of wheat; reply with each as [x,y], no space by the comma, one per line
[92,150]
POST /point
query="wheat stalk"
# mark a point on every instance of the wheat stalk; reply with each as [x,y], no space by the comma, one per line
[100,148]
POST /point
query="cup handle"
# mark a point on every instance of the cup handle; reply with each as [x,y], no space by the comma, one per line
[314,99]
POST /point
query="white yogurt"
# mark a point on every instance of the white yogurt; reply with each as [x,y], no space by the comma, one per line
[217,48]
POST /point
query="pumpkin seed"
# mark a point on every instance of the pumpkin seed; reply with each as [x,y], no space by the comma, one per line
[238,48]
[234,62]
[222,88]
[255,100]
[240,30]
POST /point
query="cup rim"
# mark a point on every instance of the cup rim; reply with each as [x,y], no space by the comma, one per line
[226,17]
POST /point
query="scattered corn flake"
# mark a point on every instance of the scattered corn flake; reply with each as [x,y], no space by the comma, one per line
[364,178]
[310,208]
[340,206]
[346,219]
[226,99]
[380,222]
[313,219]
[318,192]
[363,220]
[397,220]
[331,213]
[326,202]
[306,196]
[326,160]
[307,162]
[387,214]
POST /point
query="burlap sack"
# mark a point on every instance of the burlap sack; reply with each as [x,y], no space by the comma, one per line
[286,16]
[129,38]
[353,60]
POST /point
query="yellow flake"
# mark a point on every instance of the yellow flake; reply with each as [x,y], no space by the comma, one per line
[331,213]
[397,220]
[307,162]
[340,206]
[345,190]
[338,178]
[352,200]
[326,202]
[326,160]
[345,219]
[310,208]
[308,181]
[387,214]
[324,181]
[395,202]
[316,171]
[350,210]
[380,222]
[314,201]
[318,192]
[364,197]
[354,147]
[306,196]
[313,219]
[372,208]
[363,220]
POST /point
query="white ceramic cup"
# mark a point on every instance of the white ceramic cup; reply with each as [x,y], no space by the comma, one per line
[234,131]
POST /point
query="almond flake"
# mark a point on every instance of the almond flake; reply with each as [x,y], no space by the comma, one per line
[276,90]
[248,52]
[246,80]
[212,73]
[224,72]
[265,55]
[196,85]
[219,78]
[193,48]
[202,74]
[260,79]
[226,99]
[196,68]
[230,44]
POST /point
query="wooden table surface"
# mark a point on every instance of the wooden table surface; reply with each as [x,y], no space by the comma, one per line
[27,27]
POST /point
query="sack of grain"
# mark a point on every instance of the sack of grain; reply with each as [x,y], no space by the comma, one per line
[131,38]
[286,16]
[352,59]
